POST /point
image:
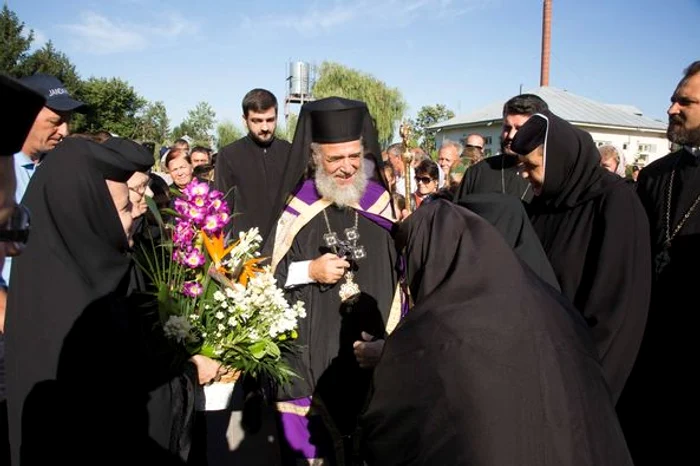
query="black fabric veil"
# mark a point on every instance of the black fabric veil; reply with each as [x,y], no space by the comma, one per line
[491,366]
[78,252]
[572,162]
[508,215]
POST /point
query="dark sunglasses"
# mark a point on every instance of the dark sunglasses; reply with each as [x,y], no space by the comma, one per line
[424,179]
[15,232]
[474,147]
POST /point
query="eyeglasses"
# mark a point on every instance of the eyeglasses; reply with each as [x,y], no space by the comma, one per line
[474,147]
[15,232]
[424,179]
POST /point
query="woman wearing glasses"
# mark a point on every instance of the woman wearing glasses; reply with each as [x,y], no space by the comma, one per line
[427,180]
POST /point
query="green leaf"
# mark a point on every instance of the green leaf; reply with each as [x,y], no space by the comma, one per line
[258,349]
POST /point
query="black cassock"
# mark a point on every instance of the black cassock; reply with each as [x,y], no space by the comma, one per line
[497,174]
[491,367]
[326,362]
[251,176]
[595,233]
[661,392]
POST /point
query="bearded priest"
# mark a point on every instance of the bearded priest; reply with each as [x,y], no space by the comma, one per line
[334,251]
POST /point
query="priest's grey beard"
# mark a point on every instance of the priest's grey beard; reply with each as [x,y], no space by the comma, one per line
[342,196]
[680,135]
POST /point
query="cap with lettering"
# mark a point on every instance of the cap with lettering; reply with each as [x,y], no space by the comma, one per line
[55,93]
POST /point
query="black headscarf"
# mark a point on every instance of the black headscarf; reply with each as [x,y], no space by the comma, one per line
[491,366]
[572,162]
[78,254]
[508,215]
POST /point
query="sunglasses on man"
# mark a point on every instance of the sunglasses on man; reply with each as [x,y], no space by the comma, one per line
[424,179]
[474,147]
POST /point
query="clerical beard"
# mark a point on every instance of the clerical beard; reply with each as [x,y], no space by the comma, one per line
[677,133]
[340,195]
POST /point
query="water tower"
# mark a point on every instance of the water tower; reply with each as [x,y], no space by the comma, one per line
[300,81]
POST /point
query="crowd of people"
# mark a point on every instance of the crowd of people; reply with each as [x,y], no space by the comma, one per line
[522,312]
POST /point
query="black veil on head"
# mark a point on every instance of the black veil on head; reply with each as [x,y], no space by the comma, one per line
[486,350]
[78,232]
[571,159]
[452,253]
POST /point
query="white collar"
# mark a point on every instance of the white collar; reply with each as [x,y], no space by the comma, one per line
[693,150]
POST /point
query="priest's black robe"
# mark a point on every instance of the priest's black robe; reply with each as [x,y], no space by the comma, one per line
[251,177]
[661,392]
[326,361]
[491,367]
[596,235]
[497,174]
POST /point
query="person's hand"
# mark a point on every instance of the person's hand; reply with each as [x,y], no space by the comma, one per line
[368,351]
[328,268]
[208,370]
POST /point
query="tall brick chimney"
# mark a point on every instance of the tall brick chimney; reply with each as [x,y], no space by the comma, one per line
[546,39]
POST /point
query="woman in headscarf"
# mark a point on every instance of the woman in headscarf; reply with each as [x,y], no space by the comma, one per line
[508,215]
[77,387]
[596,234]
[491,367]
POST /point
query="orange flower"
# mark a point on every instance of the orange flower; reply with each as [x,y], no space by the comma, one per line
[249,269]
[215,248]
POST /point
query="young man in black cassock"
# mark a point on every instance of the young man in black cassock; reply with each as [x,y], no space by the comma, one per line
[249,171]
[333,250]
[661,391]
[595,233]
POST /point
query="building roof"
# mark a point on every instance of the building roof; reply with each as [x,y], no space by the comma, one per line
[571,107]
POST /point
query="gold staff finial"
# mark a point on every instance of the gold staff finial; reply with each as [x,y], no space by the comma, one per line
[405,132]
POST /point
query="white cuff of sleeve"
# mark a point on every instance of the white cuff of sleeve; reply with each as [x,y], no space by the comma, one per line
[298,274]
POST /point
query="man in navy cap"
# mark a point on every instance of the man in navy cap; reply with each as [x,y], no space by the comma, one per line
[49,128]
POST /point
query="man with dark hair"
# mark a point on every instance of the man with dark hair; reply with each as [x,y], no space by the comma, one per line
[499,174]
[661,391]
[249,171]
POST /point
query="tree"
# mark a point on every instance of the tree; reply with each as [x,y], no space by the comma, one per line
[287,132]
[198,125]
[226,133]
[48,60]
[427,116]
[113,106]
[13,44]
[386,104]
[154,123]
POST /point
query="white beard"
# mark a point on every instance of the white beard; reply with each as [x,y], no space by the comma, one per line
[342,196]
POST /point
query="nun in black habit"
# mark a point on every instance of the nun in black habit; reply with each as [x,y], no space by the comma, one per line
[483,374]
[596,235]
[76,388]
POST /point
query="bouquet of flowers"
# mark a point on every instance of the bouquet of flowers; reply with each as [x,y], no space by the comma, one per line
[215,298]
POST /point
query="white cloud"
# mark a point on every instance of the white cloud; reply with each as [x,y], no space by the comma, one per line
[39,39]
[100,35]
[322,18]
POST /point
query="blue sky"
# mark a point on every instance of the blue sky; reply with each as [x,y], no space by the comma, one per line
[461,53]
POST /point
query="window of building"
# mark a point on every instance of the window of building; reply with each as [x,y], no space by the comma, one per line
[650,148]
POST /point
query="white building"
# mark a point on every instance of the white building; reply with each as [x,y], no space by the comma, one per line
[642,139]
